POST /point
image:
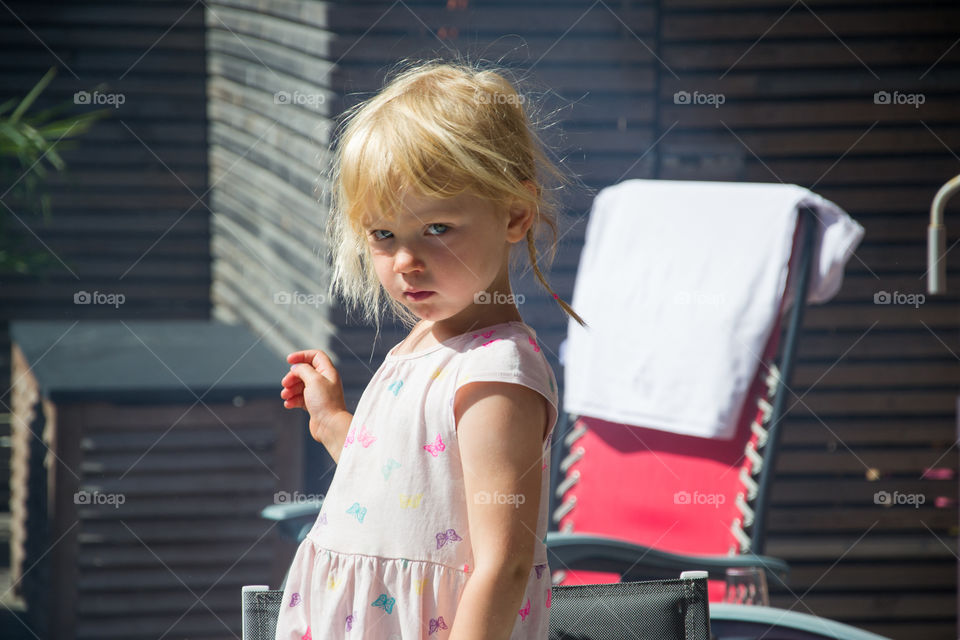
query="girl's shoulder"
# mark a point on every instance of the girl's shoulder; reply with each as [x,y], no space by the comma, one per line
[510,354]
[507,350]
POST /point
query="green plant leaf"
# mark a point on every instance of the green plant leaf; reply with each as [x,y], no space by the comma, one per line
[7,105]
[31,144]
[54,158]
[39,118]
[8,132]
[30,97]
[75,126]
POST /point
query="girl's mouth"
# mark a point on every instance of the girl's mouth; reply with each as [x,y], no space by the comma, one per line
[419,295]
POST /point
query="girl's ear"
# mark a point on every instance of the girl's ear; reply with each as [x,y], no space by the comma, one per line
[521,214]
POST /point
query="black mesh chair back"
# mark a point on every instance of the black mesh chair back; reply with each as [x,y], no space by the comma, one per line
[261,609]
[648,610]
[623,610]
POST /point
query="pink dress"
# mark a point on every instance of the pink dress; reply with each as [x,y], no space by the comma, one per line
[390,553]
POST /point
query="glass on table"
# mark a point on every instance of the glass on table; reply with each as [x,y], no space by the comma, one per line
[747,585]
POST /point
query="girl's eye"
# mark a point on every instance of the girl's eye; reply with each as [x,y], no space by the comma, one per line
[375,233]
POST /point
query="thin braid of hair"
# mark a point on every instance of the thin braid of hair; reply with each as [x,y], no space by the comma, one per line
[532,249]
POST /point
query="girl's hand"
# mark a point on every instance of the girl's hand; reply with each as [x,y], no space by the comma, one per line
[314,385]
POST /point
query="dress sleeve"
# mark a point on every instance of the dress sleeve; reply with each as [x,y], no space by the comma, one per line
[515,358]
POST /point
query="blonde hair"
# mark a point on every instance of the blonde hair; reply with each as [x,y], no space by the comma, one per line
[440,128]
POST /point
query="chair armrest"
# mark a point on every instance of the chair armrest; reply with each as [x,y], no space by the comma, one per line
[294,519]
[740,621]
[633,561]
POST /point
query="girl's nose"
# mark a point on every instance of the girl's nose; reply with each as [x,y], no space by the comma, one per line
[404,261]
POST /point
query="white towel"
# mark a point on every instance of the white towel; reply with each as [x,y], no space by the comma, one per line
[680,283]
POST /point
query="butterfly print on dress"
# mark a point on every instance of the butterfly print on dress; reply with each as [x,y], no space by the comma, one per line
[435,447]
[358,511]
[384,602]
[447,536]
[436,624]
[525,611]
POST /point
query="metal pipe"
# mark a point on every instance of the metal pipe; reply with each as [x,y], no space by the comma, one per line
[936,238]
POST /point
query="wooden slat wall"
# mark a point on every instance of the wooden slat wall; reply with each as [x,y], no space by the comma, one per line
[876,385]
[265,158]
[268,225]
[125,217]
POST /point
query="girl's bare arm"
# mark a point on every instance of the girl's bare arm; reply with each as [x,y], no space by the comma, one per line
[333,435]
[500,428]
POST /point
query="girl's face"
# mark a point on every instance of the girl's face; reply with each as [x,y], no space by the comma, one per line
[450,250]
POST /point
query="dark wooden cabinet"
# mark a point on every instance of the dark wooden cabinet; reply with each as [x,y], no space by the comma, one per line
[143,453]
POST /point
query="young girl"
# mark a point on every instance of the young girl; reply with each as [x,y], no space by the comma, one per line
[434,523]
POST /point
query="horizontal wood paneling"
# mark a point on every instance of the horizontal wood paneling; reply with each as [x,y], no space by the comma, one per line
[132,200]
